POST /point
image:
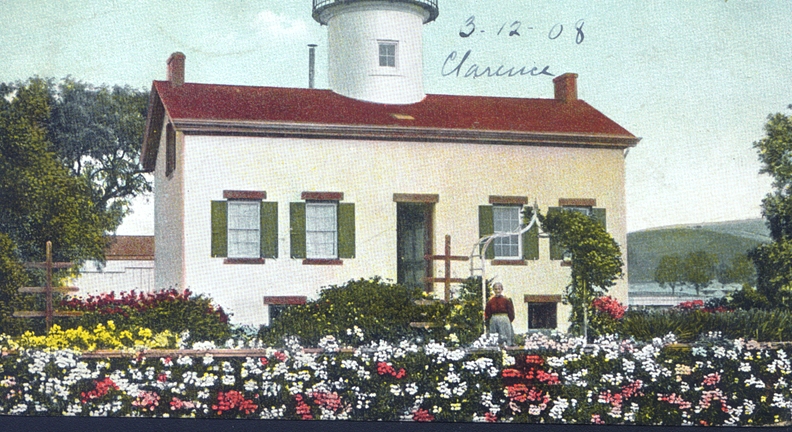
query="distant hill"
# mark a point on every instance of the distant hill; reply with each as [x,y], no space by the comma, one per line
[725,239]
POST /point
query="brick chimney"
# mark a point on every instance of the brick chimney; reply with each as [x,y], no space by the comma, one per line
[176,69]
[566,87]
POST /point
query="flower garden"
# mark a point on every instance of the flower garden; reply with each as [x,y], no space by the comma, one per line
[713,381]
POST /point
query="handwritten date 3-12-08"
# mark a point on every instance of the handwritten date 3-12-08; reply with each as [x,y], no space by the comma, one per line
[516,28]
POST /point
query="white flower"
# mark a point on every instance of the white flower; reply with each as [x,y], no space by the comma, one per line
[18,409]
[203,346]
[184,361]
[228,380]
[396,390]
[208,359]
[411,388]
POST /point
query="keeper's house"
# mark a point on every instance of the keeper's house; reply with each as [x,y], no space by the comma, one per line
[264,195]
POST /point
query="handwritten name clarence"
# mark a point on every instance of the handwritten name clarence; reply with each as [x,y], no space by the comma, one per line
[476,71]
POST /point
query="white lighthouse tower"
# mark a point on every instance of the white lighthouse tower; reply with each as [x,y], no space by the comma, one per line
[375,47]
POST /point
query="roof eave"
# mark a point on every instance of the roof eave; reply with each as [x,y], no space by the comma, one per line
[153,131]
[400,133]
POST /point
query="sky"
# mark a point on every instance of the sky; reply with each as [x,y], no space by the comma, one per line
[695,79]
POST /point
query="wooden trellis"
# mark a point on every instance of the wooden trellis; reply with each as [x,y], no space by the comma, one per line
[447,280]
[47,290]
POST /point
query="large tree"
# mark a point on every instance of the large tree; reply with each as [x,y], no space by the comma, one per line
[48,192]
[98,133]
[596,260]
[40,198]
[774,260]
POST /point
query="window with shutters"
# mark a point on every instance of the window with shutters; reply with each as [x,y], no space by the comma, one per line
[322,228]
[244,228]
[504,215]
[506,219]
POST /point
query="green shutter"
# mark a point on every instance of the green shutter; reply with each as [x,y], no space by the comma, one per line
[297,222]
[530,243]
[346,230]
[556,251]
[599,216]
[487,227]
[219,229]
[269,230]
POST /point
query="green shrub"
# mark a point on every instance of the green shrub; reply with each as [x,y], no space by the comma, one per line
[372,310]
[171,310]
[756,324]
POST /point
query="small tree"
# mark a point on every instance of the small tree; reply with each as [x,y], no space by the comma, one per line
[670,272]
[700,269]
[740,270]
[596,260]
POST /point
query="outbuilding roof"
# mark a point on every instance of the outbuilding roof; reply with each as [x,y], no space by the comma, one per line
[276,111]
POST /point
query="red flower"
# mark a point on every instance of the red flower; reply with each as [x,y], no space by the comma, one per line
[610,306]
[264,361]
[303,409]
[422,415]
[534,359]
[101,388]
[490,417]
[511,373]
[233,400]
[387,369]
[162,377]
[279,356]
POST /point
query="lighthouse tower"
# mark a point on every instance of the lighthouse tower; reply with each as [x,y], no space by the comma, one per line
[375,47]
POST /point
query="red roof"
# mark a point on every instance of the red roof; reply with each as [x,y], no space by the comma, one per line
[277,104]
[130,248]
[226,109]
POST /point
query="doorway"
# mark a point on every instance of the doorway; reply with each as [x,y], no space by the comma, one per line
[414,240]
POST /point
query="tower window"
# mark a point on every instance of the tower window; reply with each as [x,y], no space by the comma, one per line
[387,54]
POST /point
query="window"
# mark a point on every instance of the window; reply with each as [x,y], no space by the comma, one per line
[322,228]
[542,316]
[506,219]
[387,54]
[244,223]
[244,228]
[276,305]
[505,215]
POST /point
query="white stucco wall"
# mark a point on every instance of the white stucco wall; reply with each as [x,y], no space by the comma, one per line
[353,32]
[369,173]
[118,276]
[169,218]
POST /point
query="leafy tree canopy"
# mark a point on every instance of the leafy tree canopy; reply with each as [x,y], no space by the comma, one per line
[670,272]
[699,268]
[98,133]
[41,200]
[774,271]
